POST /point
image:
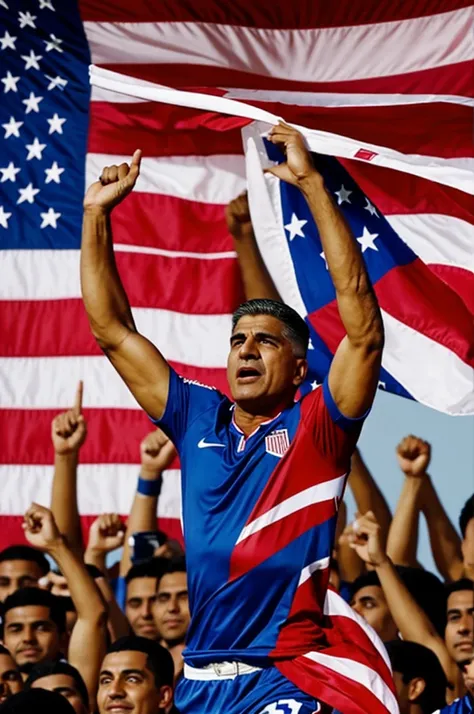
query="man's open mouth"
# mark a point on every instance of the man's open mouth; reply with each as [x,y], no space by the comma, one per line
[247,374]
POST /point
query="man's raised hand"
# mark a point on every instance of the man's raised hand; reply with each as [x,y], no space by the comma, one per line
[106,533]
[237,214]
[299,165]
[414,456]
[157,452]
[115,183]
[366,540]
[40,528]
[69,430]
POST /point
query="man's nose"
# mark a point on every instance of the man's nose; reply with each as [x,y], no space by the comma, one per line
[116,690]
[173,604]
[145,611]
[29,634]
[249,348]
[465,625]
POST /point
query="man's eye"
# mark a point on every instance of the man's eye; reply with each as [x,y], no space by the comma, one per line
[134,679]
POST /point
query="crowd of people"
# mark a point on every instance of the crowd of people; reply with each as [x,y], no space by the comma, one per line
[91,636]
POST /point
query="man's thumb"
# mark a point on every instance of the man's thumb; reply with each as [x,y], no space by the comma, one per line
[135,165]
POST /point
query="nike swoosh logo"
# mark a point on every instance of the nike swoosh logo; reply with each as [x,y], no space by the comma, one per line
[206,445]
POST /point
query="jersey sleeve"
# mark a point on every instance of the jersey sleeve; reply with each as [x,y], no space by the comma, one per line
[334,434]
[187,400]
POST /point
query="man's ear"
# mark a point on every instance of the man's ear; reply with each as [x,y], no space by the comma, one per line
[301,371]
[416,687]
[166,696]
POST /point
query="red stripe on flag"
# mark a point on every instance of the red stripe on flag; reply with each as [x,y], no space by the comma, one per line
[461,281]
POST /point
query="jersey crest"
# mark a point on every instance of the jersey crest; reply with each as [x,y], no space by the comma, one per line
[277,443]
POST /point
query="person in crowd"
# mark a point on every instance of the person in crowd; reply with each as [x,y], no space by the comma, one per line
[465,704]
[171,610]
[63,678]
[419,679]
[136,676]
[21,567]
[459,634]
[466,526]
[234,619]
[142,583]
[11,681]
[40,702]
[88,639]
[419,495]
[395,603]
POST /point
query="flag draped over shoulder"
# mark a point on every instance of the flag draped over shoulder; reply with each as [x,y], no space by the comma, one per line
[386,75]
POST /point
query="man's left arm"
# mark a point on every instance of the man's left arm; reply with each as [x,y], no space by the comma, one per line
[355,368]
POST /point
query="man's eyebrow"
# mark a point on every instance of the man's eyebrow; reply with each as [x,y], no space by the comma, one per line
[367,598]
[454,611]
[105,671]
[141,672]
[237,335]
[269,335]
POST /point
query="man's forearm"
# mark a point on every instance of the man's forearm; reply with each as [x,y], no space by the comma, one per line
[357,304]
[402,543]
[445,542]
[64,500]
[367,494]
[255,276]
[142,516]
[104,297]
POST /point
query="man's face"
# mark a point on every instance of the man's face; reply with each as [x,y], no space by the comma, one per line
[16,574]
[127,686]
[371,604]
[261,366]
[141,596]
[65,685]
[171,609]
[459,629]
[10,678]
[468,546]
[31,635]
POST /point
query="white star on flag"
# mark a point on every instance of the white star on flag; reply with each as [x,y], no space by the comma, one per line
[370,208]
[367,240]
[53,44]
[4,217]
[56,82]
[324,258]
[32,103]
[3,4]
[46,4]
[12,128]
[10,83]
[26,19]
[53,173]
[310,345]
[295,226]
[50,218]
[343,195]
[32,60]
[9,173]
[35,150]
[7,41]
[55,124]
[27,194]
[314,385]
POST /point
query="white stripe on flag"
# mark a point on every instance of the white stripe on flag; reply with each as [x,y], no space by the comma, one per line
[307,572]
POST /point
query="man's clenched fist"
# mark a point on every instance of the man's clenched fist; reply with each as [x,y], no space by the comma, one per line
[69,430]
[157,452]
[413,455]
[115,183]
[237,214]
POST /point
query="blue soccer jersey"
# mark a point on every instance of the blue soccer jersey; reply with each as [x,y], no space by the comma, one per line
[259,517]
[460,706]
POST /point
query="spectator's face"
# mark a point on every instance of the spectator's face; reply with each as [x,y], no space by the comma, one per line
[258,345]
[141,596]
[171,609]
[10,678]
[459,630]
[65,685]
[127,686]
[16,574]
[468,545]
[407,694]
[31,635]
[371,604]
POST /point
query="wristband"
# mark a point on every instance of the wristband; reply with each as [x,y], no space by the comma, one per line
[149,488]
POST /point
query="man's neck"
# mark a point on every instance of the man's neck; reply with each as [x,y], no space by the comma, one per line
[249,422]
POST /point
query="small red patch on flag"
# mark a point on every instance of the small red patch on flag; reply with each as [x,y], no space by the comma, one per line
[365,154]
[277,443]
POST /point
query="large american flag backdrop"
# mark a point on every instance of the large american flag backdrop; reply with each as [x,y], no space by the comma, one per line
[394,74]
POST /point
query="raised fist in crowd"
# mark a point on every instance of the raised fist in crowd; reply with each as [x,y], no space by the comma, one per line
[365,538]
[40,528]
[115,183]
[69,430]
[237,214]
[106,533]
[157,452]
[413,455]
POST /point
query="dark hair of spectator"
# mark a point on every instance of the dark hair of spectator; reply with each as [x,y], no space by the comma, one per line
[458,585]
[152,568]
[25,552]
[428,591]
[35,596]
[65,601]
[50,667]
[296,330]
[159,660]
[174,565]
[38,701]
[414,661]
[467,513]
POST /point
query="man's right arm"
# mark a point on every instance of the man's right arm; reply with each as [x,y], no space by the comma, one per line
[139,363]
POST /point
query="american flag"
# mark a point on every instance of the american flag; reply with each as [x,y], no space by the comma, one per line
[394,74]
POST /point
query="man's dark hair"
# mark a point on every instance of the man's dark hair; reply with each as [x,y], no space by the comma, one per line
[458,585]
[467,513]
[159,660]
[176,564]
[152,568]
[296,330]
[428,591]
[25,552]
[39,701]
[36,596]
[50,667]
[414,661]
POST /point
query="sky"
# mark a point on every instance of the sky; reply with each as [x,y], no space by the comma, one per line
[452,463]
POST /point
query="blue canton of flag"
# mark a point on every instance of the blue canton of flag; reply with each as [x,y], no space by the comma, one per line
[44,110]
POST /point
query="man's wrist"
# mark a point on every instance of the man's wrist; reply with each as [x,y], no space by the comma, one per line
[67,456]
[97,211]
[383,564]
[57,547]
[311,182]
[149,474]
[149,487]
